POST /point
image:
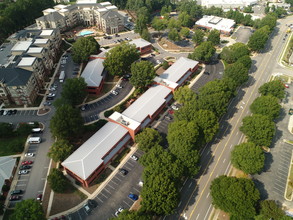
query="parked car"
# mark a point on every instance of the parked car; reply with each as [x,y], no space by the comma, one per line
[51,95]
[133,157]
[25,167]
[140,183]
[49,98]
[1,112]
[114,92]
[175,107]
[14,112]
[16,192]
[92,203]
[286,85]
[39,197]
[29,155]
[119,86]
[5,112]
[123,172]
[27,162]
[21,172]
[14,198]
[47,103]
[133,196]
[117,35]
[87,209]
[119,211]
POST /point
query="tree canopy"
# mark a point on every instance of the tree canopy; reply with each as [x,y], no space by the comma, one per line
[60,150]
[133,215]
[57,181]
[238,72]
[66,122]
[259,129]
[83,48]
[204,52]
[232,53]
[6,130]
[237,196]
[119,59]
[275,88]
[184,32]
[146,35]
[185,19]
[246,61]
[198,36]
[148,138]
[184,94]
[248,157]
[270,209]
[266,105]
[143,73]
[28,209]
[259,38]
[159,24]
[214,37]
[74,91]
[173,35]
[143,18]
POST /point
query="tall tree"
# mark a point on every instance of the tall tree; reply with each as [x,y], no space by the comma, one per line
[134,215]
[269,209]
[275,88]
[237,196]
[184,94]
[159,24]
[173,23]
[232,53]
[148,138]
[266,105]
[66,122]
[143,73]
[204,52]
[185,19]
[57,181]
[198,36]
[238,72]
[259,129]
[259,38]
[214,37]
[184,32]
[83,48]
[119,59]
[28,209]
[143,18]
[60,150]
[74,91]
[246,61]
[248,157]
[146,35]
[6,130]
[173,35]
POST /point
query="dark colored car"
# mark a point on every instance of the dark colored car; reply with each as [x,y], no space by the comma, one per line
[16,192]
[92,203]
[123,172]
[133,197]
[49,98]
[25,167]
[1,112]
[14,198]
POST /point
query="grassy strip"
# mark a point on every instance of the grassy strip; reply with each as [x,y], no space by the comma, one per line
[289,185]
[120,157]
[11,146]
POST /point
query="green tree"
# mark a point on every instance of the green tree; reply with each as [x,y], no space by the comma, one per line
[187,112]
[237,196]
[60,150]
[74,91]
[259,38]
[185,19]
[275,88]
[143,18]
[248,9]
[143,73]
[165,65]
[173,35]
[159,24]
[194,10]
[148,138]
[28,209]
[198,36]
[83,48]
[269,209]
[146,35]
[266,105]
[166,10]
[66,122]
[133,215]
[184,32]
[232,53]
[173,23]
[57,181]
[269,20]
[204,52]
[248,157]
[214,37]
[259,129]
[6,130]
[118,60]
[184,94]
[238,72]
[246,61]
[160,195]
[213,11]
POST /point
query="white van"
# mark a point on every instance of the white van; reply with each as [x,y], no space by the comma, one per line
[37,130]
[34,140]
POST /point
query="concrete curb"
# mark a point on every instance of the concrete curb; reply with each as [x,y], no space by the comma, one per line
[288,180]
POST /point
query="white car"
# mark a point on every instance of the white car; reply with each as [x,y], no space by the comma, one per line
[133,157]
[47,103]
[114,92]
[51,94]
[119,211]
[52,89]
[23,172]
[174,107]
[5,112]
[29,154]
[140,183]
[119,86]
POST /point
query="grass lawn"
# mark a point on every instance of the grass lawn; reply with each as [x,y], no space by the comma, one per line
[7,214]
[120,157]
[10,146]
[289,185]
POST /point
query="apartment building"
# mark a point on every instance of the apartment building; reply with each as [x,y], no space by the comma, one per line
[89,13]
[29,56]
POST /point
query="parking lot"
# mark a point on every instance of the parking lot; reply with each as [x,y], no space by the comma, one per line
[115,194]
[114,39]
[23,113]
[242,34]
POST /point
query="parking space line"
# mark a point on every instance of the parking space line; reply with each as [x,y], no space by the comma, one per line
[280,184]
[136,190]
[20,184]
[126,203]
[100,200]
[114,182]
[108,191]
[278,190]
[129,163]
[110,186]
[283,174]
[129,168]
[103,195]
[117,178]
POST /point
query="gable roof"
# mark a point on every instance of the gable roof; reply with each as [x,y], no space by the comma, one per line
[15,76]
[90,155]
[93,72]
[111,14]
[140,42]
[7,165]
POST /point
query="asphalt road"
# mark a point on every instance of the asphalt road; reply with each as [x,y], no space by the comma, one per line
[195,195]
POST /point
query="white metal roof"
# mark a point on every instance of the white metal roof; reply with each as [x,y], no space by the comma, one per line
[7,164]
[122,119]
[88,156]
[49,10]
[35,50]
[214,22]
[46,32]
[140,42]
[92,73]
[105,3]
[41,41]
[178,69]
[166,82]
[227,3]
[27,61]
[60,6]
[21,46]
[148,103]
[112,7]
[102,9]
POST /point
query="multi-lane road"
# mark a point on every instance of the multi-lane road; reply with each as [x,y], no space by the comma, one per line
[195,195]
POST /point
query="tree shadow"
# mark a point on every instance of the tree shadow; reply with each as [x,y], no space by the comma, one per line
[268,162]
[261,187]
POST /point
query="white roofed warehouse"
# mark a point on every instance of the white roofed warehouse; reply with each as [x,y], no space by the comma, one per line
[224,25]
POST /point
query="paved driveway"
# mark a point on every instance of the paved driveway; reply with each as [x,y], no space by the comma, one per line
[115,194]
[242,34]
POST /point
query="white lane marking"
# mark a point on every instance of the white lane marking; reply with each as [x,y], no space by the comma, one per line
[208,211]
[108,191]
[190,185]
[179,204]
[197,216]
[184,181]
[237,133]
[226,171]
[224,160]
[208,195]
[231,146]
[100,200]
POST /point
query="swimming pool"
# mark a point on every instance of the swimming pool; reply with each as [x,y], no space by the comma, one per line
[83,33]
